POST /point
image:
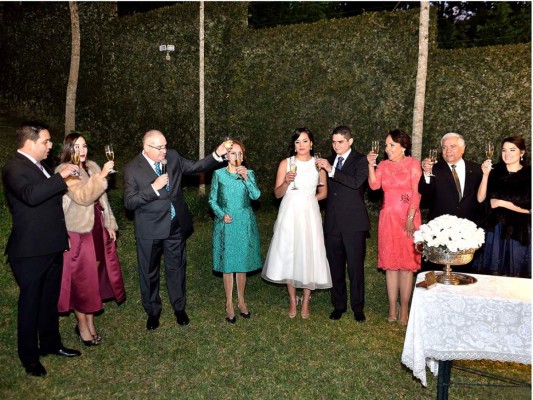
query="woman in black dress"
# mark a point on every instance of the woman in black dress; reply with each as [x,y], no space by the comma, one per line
[505,194]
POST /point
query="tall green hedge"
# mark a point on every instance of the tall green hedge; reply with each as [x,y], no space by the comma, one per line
[260,84]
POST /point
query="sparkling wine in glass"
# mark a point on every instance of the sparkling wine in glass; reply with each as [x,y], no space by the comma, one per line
[489,151]
[293,168]
[238,162]
[110,154]
[317,156]
[227,145]
[375,149]
[75,158]
[432,157]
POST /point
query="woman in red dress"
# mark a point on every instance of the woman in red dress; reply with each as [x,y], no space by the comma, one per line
[91,269]
[399,217]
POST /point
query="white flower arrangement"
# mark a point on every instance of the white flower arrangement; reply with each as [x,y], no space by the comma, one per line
[450,233]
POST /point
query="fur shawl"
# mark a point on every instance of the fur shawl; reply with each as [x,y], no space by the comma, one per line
[78,202]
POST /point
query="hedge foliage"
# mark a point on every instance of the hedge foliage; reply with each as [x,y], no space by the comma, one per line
[260,84]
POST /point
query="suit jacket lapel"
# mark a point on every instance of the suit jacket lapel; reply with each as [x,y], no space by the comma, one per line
[350,159]
[144,165]
[468,180]
[29,162]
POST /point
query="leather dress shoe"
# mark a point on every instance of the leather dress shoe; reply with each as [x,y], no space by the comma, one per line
[336,314]
[181,317]
[63,351]
[359,316]
[152,323]
[35,369]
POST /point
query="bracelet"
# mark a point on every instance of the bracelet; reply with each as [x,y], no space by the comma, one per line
[216,154]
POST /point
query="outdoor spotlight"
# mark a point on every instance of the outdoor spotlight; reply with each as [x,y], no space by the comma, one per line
[168,48]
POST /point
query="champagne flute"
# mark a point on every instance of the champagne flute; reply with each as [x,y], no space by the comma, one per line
[489,151]
[375,149]
[293,168]
[75,158]
[227,145]
[238,162]
[317,156]
[433,158]
[110,154]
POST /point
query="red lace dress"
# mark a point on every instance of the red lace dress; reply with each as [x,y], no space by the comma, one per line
[399,181]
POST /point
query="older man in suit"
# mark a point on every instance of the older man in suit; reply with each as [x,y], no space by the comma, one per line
[450,187]
[36,244]
[152,189]
[346,224]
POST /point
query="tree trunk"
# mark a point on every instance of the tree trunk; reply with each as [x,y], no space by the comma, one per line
[72,86]
[201,140]
[421,75]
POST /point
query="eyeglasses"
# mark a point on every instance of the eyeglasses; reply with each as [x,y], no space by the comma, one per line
[158,148]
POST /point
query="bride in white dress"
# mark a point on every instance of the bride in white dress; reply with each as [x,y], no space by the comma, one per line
[297,255]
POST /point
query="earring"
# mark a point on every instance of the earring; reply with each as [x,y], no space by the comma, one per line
[521,158]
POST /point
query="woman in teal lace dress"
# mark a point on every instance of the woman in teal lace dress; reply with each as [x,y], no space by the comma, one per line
[236,247]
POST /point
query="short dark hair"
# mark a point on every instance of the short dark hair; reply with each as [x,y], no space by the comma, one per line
[399,136]
[295,135]
[29,130]
[344,131]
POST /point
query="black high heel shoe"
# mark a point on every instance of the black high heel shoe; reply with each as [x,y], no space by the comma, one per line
[231,320]
[243,314]
[87,343]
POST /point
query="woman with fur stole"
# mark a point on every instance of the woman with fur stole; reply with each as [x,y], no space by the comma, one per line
[91,269]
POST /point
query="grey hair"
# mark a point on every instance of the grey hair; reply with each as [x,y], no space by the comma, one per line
[455,135]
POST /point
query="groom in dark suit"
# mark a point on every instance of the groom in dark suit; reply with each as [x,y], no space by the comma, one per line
[162,220]
[346,224]
[36,244]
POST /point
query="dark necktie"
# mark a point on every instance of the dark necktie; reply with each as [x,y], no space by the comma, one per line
[339,163]
[457,182]
[158,171]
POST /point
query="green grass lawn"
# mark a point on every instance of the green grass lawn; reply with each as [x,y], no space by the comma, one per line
[268,356]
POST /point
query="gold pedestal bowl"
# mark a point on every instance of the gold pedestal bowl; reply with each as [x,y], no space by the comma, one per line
[448,258]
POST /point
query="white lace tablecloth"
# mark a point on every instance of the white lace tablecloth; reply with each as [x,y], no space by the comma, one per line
[490,319]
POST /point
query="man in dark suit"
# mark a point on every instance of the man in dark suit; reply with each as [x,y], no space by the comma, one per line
[162,220]
[450,187]
[346,224]
[36,244]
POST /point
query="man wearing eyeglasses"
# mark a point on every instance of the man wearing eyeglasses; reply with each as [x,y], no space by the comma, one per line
[152,190]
